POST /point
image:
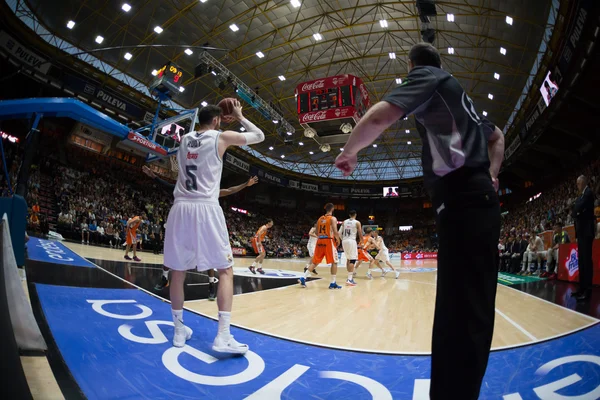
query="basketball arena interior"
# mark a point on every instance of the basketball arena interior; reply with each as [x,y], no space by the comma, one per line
[95,99]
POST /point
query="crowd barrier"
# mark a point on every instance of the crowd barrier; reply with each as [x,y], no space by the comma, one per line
[568,264]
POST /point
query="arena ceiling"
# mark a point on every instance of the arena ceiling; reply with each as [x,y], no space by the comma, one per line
[354,41]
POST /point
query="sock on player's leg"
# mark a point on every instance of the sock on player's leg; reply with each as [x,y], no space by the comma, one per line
[253,264]
[211,279]
[332,278]
[177,318]
[166,273]
[224,321]
[307,272]
[351,276]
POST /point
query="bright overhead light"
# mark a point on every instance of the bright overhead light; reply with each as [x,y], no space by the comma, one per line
[295,3]
[189,52]
[496,75]
[204,104]
[490,96]
[260,54]
[128,56]
[375,145]
[392,55]
[271,148]
[289,133]
[311,153]
[70,24]
[503,51]
[203,1]
[342,149]
[450,50]
[484,113]
[383,23]
[409,142]
[398,81]
[300,144]
[99,39]
[214,73]
[181,89]
[234,27]
[154,72]
[158,29]
[126,7]
[281,78]
[407,131]
[317,36]
[282,156]
[242,129]
[450,17]
[509,20]
[406,118]
[275,121]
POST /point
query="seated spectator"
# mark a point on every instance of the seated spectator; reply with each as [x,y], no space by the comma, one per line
[93,231]
[84,226]
[535,252]
[506,255]
[560,237]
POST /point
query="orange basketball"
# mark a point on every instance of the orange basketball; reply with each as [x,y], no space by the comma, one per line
[227,106]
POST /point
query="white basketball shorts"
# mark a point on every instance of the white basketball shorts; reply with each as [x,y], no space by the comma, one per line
[383,255]
[197,237]
[350,249]
[312,244]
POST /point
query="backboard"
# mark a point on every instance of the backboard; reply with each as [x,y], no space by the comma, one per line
[168,133]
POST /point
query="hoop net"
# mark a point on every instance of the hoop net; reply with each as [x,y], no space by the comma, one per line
[174,165]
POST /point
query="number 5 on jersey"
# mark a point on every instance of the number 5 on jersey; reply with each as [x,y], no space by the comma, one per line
[190,183]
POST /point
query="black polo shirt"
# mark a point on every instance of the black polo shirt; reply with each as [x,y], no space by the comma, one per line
[454,135]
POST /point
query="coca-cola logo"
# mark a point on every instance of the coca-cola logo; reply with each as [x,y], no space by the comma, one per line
[363,90]
[317,116]
[313,85]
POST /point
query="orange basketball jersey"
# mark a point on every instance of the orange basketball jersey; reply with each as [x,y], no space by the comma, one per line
[324,227]
[261,236]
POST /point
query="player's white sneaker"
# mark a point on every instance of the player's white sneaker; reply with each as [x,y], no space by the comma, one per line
[229,345]
[181,335]
[369,276]
[397,274]
[385,271]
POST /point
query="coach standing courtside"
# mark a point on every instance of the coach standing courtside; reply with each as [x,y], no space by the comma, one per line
[585,226]
[461,157]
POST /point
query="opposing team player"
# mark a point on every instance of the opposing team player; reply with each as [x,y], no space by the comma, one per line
[196,235]
[131,236]
[328,239]
[363,254]
[312,244]
[258,247]
[351,230]
[383,256]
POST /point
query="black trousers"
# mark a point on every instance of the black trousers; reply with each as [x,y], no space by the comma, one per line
[469,229]
[586,266]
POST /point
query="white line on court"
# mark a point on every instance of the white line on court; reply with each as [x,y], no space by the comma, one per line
[519,327]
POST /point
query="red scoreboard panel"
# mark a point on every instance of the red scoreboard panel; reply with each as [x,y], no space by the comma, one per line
[342,97]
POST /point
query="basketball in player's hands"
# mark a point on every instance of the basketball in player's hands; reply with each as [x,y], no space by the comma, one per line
[227,105]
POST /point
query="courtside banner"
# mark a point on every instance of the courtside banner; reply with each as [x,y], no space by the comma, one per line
[54,252]
[244,166]
[419,256]
[238,251]
[568,262]
[116,344]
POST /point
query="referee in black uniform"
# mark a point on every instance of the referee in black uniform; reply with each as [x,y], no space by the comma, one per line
[462,154]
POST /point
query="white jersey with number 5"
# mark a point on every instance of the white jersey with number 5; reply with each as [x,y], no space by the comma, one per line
[350,229]
[200,167]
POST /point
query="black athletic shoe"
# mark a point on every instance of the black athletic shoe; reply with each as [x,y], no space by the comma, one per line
[314,272]
[212,293]
[164,283]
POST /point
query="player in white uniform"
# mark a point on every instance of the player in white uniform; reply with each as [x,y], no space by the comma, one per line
[196,235]
[349,231]
[312,244]
[384,255]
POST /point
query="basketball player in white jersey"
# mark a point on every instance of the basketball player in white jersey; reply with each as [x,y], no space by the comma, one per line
[196,235]
[312,244]
[384,255]
[350,230]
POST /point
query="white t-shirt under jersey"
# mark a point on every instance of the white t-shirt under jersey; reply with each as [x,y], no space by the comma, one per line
[350,229]
[200,167]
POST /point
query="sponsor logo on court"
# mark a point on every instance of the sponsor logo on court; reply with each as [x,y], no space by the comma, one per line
[313,85]
[54,252]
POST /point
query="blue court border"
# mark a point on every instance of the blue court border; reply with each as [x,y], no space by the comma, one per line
[115,356]
[52,251]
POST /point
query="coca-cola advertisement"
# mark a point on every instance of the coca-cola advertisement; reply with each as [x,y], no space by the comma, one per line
[326,83]
[419,256]
[325,115]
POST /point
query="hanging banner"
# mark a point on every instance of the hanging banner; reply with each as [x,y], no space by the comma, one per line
[310,187]
[23,54]
[573,33]
[512,148]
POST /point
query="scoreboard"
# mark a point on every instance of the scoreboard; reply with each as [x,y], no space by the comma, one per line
[168,80]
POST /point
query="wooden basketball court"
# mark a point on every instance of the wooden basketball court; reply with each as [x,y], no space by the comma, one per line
[382,315]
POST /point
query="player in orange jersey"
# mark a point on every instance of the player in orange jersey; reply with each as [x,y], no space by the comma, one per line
[363,254]
[328,240]
[131,236]
[259,248]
